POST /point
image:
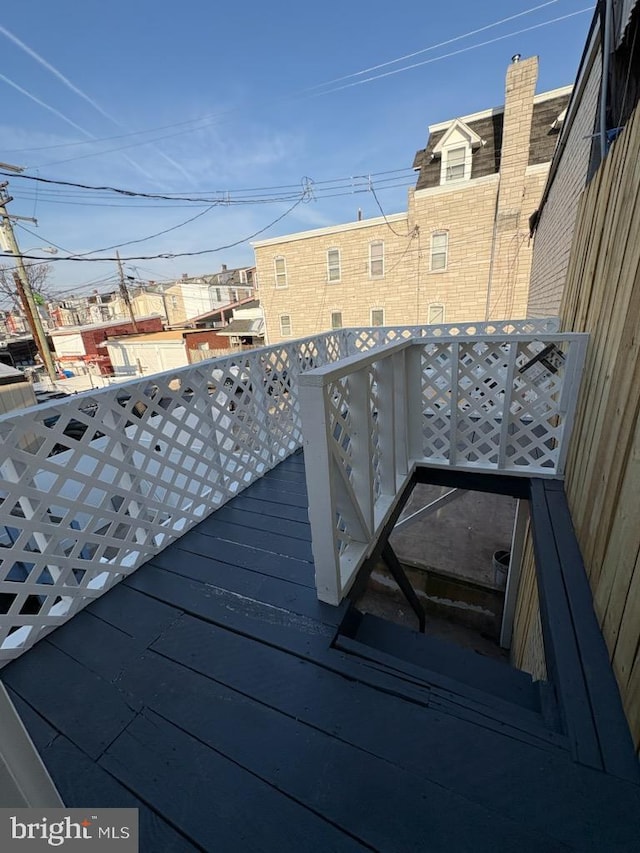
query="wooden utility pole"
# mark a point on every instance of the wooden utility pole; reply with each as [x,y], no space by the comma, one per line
[21,278]
[124,291]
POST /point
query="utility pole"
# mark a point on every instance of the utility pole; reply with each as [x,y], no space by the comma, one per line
[21,278]
[125,294]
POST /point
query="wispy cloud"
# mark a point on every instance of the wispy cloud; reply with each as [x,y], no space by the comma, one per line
[56,73]
[81,94]
[45,106]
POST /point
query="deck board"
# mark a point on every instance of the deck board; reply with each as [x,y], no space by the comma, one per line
[206,690]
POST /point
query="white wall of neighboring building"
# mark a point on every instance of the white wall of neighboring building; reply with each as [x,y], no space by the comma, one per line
[68,345]
[134,356]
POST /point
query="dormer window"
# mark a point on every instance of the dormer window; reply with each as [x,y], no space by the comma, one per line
[455,161]
[455,150]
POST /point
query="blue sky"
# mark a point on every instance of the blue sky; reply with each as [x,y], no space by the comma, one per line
[244,94]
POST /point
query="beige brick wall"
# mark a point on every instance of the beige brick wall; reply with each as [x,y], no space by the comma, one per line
[489,252]
[554,234]
[309,298]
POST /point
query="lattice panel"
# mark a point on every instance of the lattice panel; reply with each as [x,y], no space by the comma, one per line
[494,404]
[94,485]
[339,423]
[361,340]
[481,374]
[436,374]
[536,423]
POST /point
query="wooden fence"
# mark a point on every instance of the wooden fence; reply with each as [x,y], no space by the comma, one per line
[602,297]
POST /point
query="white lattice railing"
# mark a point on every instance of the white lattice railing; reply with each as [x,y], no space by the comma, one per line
[364,339]
[94,485]
[494,403]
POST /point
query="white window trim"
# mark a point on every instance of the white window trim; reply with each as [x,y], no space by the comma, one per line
[282,332]
[444,180]
[458,135]
[339,279]
[376,243]
[439,233]
[275,272]
[371,316]
[331,326]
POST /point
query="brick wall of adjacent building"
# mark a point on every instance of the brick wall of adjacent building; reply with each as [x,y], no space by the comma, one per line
[554,233]
[93,337]
[202,338]
[489,251]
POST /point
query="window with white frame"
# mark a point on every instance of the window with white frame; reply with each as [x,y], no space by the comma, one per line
[285,325]
[455,150]
[376,259]
[333,265]
[280,267]
[377,316]
[455,163]
[436,313]
[336,319]
[439,251]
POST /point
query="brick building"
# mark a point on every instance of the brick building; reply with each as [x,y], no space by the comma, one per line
[77,347]
[461,251]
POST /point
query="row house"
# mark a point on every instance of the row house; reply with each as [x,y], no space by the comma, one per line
[461,251]
[190,297]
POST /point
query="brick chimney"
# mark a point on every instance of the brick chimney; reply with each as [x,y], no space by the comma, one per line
[522,76]
[510,264]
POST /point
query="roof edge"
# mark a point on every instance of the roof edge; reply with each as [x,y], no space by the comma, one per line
[330,229]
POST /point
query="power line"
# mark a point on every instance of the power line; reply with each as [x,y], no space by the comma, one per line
[454,52]
[195,197]
[189,125]
[435,46]
[167,255]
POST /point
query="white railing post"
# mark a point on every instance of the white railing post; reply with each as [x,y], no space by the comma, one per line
[454,362]
[390,442]
[415,401]
[568,402]
[400,415]
[319,476]
[361,446]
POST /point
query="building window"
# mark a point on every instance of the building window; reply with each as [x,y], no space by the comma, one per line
[436,313]
[377,316]
[376,259]
[333,265]
[336,319]
[285,325]
[280,266]
[455,164]
[439,251]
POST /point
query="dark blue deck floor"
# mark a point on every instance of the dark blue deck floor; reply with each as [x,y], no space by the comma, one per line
[207,690]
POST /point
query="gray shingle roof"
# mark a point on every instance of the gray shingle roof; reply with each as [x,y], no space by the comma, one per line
[486,159]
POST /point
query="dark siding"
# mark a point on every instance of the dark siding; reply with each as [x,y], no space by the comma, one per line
[486,159]
[543,136]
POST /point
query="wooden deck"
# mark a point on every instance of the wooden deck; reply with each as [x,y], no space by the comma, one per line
[209,690]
